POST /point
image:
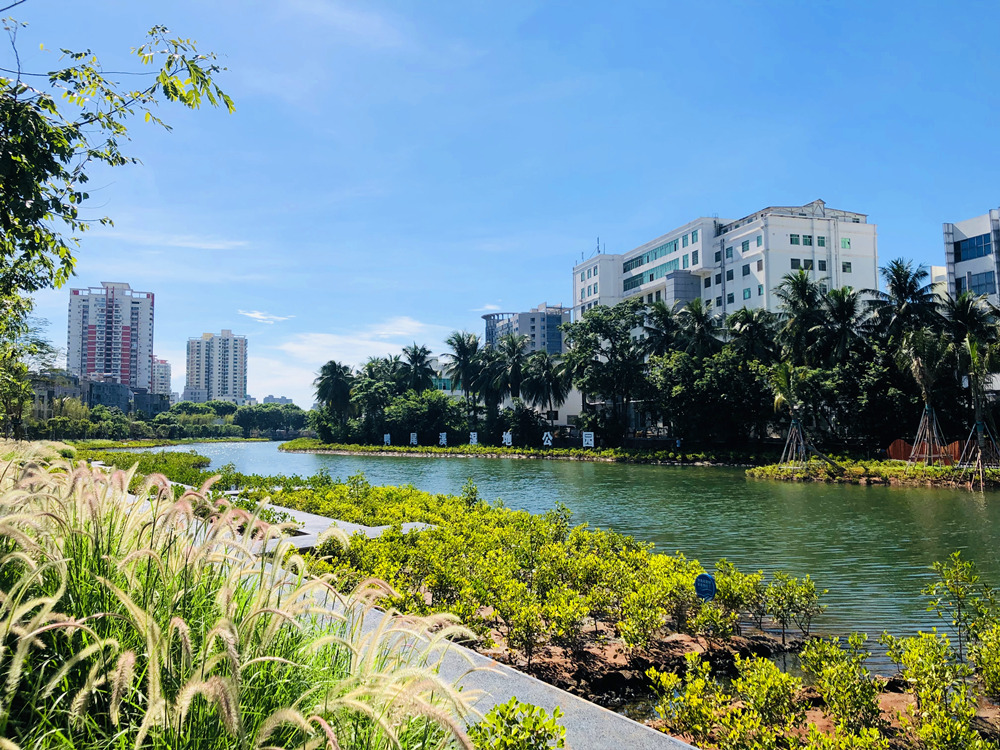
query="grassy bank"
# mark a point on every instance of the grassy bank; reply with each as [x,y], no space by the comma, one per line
[873,473]
[608,455]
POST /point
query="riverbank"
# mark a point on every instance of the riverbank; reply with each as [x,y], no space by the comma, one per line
[599,455]
[888,473]
[100,444]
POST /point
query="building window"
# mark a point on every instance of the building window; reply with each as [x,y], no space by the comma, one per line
[760,264]
[582,276]
[718,279]
[729,253]
[684,261]
[657,295]
[684,241]
[796,264]
[760,290]
[793,239]
[974,247]
[821,265]
[718,301]
[694,236]
[845,243]
[595,270]
[729,275]
[822,287]
[983,283]
[807,264]
[588,273]
[746,293]
[745,247]
[708,283]
[595,288]
[845,267]
[588,290]
[730,298]
[760,240]
[746,269]
[718,256]
[694,257]
[807,239]
[581,294]
[820,241]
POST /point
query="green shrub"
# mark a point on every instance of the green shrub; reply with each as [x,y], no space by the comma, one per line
[690,705]
[844,682]
[518,726]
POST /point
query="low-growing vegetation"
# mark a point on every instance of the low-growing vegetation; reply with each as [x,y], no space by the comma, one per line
[872,472]
[613,455]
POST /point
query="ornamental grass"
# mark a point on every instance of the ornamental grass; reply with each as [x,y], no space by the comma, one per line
[137,620]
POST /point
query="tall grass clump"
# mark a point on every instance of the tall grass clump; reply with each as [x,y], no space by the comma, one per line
[144,621]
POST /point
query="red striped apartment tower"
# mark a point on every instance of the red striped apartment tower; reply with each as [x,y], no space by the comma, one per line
[110,336]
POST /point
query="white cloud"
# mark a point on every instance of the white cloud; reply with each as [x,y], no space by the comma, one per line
[485,308]
[263,317]
[275,377]
[361,26]
[163,239]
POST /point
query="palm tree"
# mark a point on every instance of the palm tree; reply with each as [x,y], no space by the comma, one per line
[464,366]
[418,374]
[545,381]
[908,302]
[800,299]
[753,334]
[512,356]
[661,328]
[969,316]
[928,356]
[698,332]
[840,332]
[333,388]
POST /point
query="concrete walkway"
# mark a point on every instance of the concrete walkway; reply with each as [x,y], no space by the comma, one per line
[588,726]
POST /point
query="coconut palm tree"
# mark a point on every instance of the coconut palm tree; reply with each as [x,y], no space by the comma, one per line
[333,388]
[545,381]
[418,374]
[969,316]
[512,351]
[698,329]
[908,302]
[841,330]
[799,296]
[464,366]
[753,334]
[929,356]
[661,328]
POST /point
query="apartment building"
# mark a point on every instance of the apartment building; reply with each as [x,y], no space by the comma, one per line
[970,254]
[735,263]
[217,368]
[540,325]
[110,334]
[161,377]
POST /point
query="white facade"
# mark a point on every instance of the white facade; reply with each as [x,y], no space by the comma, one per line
[217,368]
[540,325]
[734,264]
[970,252]
[161,377]
[110,334]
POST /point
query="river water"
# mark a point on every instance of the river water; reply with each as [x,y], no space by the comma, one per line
[869,546]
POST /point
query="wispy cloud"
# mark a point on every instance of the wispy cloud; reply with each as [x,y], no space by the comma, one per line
[162,239]
[486,308]
[360,25]
[263,317]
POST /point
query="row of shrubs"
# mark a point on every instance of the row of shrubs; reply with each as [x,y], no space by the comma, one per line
[618,455]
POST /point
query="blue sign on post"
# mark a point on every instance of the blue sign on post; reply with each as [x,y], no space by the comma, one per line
[704,587]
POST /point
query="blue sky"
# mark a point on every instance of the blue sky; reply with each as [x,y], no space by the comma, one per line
[395,169]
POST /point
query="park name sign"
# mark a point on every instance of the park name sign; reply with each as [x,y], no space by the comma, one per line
[507,439]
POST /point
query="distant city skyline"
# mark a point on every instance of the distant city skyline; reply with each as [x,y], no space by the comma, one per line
[393,171]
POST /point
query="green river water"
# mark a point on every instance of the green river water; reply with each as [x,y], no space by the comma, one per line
[869,546]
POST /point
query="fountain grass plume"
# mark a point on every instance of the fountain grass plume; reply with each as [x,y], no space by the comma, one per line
[148,621]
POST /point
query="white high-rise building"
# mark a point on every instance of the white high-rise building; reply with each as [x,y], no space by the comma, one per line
[110,334]
[161,377]
[540,325]
[217,368]
[735,263]
[970,249]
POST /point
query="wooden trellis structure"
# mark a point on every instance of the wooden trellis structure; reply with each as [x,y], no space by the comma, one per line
[980,453]
[796,451]
[929,447]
